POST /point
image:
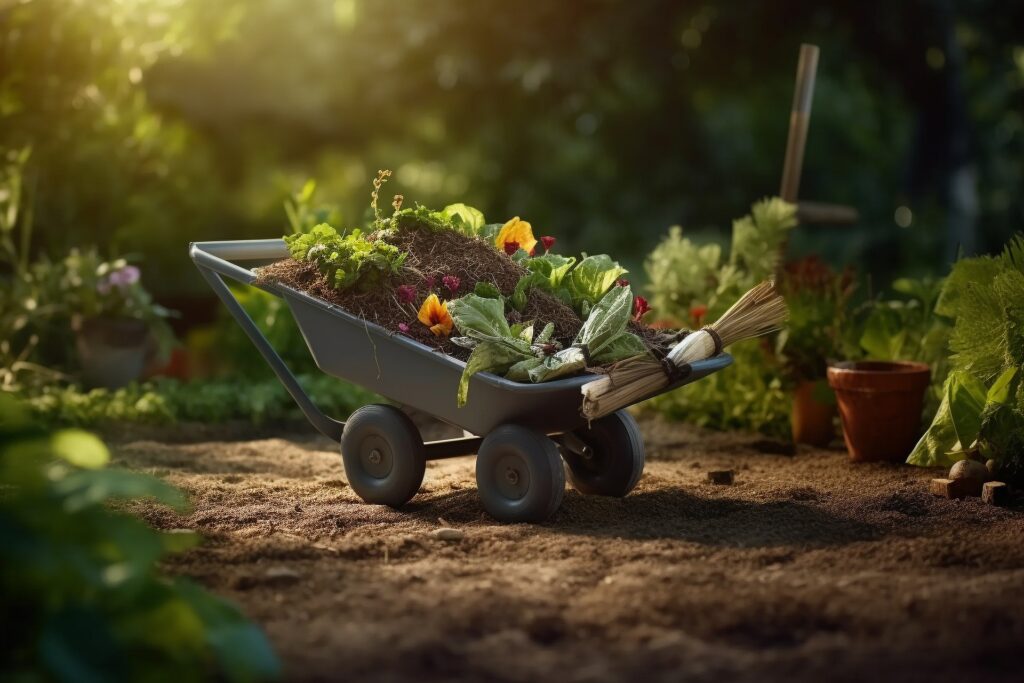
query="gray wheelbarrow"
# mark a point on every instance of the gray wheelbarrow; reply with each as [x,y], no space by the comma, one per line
[524,431]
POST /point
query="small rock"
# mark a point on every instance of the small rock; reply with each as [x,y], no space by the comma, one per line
[970,469]
[448,534]
[995,493]
[993,467]
[281,576]
[723,477]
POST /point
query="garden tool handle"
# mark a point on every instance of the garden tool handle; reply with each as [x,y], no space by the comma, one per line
[211,258]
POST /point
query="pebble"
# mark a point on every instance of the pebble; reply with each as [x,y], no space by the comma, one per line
[282,575]
[724,477]
[448,534]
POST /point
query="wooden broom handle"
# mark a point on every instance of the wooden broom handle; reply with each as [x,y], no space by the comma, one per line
[799,119]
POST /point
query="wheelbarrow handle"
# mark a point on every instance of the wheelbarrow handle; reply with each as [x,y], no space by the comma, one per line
[211,258]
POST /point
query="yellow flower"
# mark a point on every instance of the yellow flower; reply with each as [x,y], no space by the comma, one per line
[516,232]
[434,314]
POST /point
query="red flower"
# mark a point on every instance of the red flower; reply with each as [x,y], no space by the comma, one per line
[451,282]
[431,280]
[406,293]
[697,313]
[547,242]
[403,328]
[640,307]
[622,282]
[511,247]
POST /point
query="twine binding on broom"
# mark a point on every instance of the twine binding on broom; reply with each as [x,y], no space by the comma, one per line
[760,311]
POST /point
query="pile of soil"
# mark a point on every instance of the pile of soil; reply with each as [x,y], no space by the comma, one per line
[432,255]
[807,568]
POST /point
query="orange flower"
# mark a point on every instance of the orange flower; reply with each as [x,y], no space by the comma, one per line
[517,231]
[434,314]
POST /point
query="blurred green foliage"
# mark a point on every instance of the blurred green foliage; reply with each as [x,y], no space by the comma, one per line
[155,122]
[256,400]
[82,600]
[691,282]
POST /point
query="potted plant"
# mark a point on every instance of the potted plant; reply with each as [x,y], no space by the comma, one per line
[881,397]
[117,325]
[818,298]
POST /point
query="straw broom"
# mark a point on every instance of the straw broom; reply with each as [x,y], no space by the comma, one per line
[758,312]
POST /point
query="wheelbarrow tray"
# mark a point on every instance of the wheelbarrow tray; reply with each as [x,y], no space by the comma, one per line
[412,374]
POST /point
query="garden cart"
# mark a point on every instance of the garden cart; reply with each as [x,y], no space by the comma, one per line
[523,431]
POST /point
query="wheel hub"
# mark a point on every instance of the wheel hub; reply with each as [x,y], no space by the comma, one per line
[513,477]
[375,457]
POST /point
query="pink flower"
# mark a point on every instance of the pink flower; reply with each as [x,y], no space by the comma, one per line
[431,281]
[640,307]
[451,282]
[547,242]
[406,293]
[622,282]
[403,328]
[511,247]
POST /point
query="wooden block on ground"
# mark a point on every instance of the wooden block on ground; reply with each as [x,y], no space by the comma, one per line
[724,477]
[995,493]
[952,488]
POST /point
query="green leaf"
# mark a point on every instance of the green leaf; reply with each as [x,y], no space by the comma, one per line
[489,356]
[489,232]
[487,290]
[966,401]
[465,219]
[589,280]
[553,266]
[80,448]
[241,648]
[523,287]
[92,487]
[884,335]
[479,317]
[1000,390]
[545,335]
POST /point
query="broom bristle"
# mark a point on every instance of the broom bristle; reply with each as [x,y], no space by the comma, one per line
[758,312]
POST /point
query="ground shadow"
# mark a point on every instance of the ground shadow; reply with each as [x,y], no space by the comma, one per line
[676,514]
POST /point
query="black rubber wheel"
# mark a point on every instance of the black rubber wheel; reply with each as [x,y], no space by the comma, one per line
[383,455]
[519,475]
[614,457]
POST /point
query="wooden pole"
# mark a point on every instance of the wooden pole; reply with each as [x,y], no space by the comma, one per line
[799,119]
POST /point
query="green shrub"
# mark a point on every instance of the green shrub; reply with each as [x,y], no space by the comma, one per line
[81,596]
[165,401]
[692,283]
[983,398]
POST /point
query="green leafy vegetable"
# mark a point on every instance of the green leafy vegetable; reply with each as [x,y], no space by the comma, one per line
[465,219]
[349,261]
[589,280]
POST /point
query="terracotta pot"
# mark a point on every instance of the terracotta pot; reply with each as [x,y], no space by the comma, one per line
[814,411]
[112,351]
[880,404]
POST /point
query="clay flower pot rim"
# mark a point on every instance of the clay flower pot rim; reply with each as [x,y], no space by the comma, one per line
[879,376]
[877,367]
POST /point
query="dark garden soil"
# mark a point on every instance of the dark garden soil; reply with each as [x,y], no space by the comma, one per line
[431,255]
[807,568]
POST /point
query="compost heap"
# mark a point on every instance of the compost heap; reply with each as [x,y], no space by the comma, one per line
[490,294]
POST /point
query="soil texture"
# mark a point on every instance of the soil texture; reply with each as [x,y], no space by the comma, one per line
[806,568]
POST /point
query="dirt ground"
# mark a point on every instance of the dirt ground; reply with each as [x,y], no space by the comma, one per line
[807,568]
